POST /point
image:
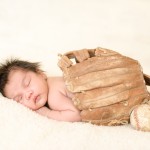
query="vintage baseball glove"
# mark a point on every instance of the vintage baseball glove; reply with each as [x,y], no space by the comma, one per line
[106,84]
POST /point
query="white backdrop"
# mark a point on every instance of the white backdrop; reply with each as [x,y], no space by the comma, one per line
[40,29]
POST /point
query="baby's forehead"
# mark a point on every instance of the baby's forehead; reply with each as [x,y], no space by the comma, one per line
[17,70]
[20,72]
[17,73]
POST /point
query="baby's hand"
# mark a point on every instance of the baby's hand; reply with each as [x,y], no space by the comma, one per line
[43,111]
[65,115]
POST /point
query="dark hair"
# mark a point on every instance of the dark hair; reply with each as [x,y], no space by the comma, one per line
[14,64]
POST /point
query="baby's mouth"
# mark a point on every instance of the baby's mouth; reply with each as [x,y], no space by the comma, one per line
[36,98]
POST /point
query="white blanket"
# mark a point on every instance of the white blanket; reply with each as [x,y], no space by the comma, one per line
[22,129]
[38,30]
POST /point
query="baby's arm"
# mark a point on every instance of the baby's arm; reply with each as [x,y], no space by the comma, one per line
[66,115]
[62,109]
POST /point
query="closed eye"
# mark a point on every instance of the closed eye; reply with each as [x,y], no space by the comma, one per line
[27,81]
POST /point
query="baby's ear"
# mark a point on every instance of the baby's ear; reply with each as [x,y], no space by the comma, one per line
[43,74]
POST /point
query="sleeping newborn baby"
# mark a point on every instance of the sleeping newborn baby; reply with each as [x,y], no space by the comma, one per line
[27,84]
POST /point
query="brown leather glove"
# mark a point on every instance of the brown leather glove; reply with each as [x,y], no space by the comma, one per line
[106,84]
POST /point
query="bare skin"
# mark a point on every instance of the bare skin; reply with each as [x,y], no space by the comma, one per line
[34,90]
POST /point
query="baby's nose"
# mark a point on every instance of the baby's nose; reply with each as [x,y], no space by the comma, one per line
[28,95]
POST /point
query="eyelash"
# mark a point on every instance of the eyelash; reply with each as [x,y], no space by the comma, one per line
[28,83]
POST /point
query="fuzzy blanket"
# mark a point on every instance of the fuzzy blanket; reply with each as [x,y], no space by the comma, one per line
[23,129]
[38,30]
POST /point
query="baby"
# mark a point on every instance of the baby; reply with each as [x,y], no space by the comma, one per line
[27,84]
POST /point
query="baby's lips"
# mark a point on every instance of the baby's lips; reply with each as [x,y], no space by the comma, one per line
[37,98]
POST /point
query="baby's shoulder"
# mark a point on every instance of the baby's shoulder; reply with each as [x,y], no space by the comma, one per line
[56,81]
[56,89]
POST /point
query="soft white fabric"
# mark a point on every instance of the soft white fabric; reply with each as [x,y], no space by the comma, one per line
[38,30]
[22,129]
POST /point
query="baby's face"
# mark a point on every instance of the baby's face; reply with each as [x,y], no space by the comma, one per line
[27,88]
